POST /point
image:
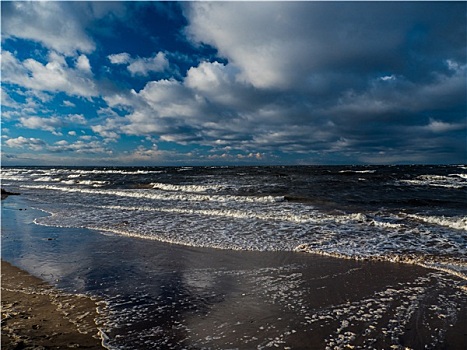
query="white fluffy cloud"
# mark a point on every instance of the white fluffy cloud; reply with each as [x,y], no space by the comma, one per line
[53,24]
[82,63]
[7,101]
[80,147]
[107,131]
[48,124]
[78,119]
[23,142]
[169,98]
[119,58]
[141,65]
[268,42]
[52,124]
[183,111]
[54,76]
[216,82]
[57,25]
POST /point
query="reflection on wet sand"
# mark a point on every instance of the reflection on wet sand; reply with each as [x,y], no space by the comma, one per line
[169,296]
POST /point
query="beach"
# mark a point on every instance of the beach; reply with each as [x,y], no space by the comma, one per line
[241,258]
[368,305]
[36,316]
[170,296]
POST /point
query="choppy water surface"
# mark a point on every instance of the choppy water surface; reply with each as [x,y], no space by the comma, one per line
[405,213]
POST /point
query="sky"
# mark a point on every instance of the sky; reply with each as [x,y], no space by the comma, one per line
[233,83]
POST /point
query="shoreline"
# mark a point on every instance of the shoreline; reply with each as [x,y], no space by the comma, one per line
[206,298]
[35,315]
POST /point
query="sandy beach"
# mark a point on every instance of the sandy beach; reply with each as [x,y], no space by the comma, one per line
[171,296]
[36,316]
[371,305]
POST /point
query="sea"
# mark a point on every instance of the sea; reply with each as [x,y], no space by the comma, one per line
[413,214]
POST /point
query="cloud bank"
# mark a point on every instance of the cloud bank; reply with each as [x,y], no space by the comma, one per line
[316,82]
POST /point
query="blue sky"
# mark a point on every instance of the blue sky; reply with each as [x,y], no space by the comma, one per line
[214,83]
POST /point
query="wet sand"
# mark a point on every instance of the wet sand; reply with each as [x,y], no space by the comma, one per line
[165,296]
[36,316]
[325,304]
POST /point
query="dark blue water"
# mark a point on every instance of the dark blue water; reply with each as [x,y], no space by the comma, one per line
[396,213]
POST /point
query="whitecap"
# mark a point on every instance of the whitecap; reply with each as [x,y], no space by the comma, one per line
[455,222]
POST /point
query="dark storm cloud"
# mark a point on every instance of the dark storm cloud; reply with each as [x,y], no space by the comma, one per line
[287,43]
[360,76]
